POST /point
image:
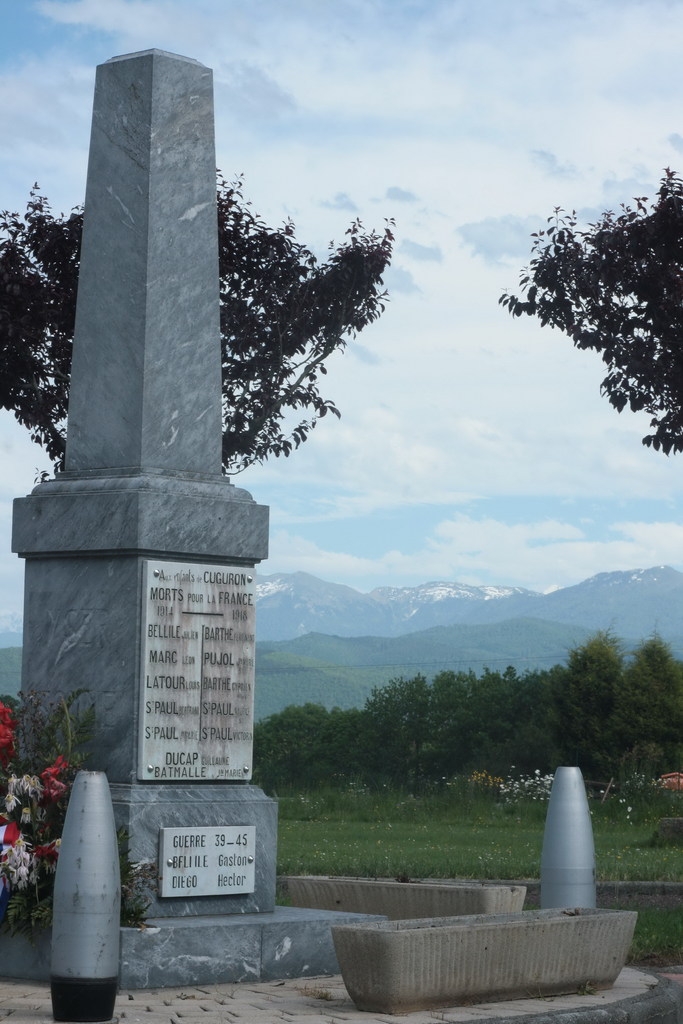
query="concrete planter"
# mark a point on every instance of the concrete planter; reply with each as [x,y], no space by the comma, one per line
[400,900]
[401,966]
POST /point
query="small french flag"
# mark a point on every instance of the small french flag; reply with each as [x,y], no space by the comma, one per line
[9,833]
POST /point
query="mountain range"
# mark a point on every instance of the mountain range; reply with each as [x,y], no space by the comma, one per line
[631,604]
[330,644]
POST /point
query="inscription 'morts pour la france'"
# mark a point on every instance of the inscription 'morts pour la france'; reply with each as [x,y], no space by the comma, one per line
[197,672]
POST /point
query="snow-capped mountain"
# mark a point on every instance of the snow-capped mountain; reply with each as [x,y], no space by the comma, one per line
[442,604]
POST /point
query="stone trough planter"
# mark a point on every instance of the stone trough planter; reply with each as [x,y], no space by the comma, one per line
[399,900]
[401,966]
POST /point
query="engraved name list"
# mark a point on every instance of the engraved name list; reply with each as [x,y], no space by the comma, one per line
[197,672]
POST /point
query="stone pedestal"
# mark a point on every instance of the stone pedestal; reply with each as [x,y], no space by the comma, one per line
[170,952]
[85,541]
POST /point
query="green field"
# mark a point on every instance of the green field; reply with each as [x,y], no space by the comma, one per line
[322,834]
[485,850]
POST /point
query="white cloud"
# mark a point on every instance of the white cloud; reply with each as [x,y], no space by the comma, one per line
[399,280]
[341,202]
[430,253]
[551,165]
[402,195]
[254,93]
[495,238]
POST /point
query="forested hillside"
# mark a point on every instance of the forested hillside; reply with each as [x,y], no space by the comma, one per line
[340,672]
[606,711]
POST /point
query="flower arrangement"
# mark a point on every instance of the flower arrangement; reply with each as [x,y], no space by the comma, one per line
[41,744]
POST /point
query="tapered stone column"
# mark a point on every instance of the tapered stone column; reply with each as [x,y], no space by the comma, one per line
[127,547]
[146,387]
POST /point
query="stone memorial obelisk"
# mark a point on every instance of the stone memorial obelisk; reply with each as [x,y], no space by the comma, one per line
[140,556]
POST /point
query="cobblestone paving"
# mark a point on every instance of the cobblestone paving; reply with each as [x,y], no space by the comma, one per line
[300,1001]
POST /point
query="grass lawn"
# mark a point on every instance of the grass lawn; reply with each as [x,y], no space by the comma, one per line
[440,849]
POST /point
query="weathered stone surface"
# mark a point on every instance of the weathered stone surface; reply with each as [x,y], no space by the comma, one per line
[167,516]
[397,900]
[287,943]
[21,958]
[401,966]
[145,389]
[83,618]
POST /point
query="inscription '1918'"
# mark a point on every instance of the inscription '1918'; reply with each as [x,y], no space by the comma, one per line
[197,672]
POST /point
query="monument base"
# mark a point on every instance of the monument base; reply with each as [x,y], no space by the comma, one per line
[143,809]
[290,942]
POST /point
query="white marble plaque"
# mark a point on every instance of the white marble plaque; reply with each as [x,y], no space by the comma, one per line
[206,861]
[197,672]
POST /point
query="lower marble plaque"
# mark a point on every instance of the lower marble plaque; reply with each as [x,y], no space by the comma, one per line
[206,861]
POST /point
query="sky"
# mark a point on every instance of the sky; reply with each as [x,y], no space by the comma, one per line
[472,447]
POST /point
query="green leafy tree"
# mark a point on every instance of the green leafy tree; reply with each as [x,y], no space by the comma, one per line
[494,698]
[346,743]
[287,747]
[648,711]
[452,723]
[304,746]
[585,694]
[399,724]
[617,287]
[512,712]
[491,721]
[283,313]
[532,743]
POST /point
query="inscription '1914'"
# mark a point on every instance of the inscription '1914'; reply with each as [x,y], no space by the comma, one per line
[197,672]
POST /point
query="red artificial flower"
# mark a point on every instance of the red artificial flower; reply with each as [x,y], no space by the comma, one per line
[53,787]
[50,852]
[7,727]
